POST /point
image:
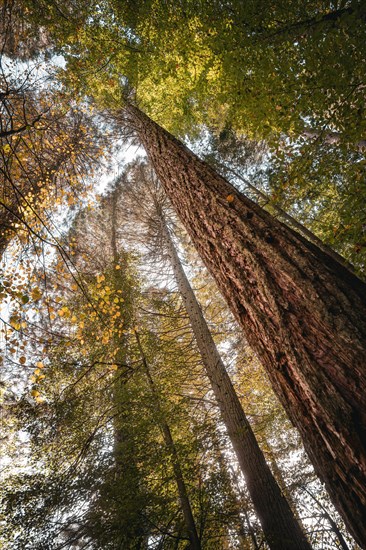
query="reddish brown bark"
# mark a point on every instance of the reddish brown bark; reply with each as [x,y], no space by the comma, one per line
[302,312]
[291,221]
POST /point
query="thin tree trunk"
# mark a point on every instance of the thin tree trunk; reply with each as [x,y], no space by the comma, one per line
[238,497]
[114,245]
[241,502]
[168,439]
[334,527]
[301,311]
[127,472]
[277,519]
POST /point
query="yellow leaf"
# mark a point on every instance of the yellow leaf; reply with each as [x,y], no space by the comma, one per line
[39,364]
[36,294]
[35,393]
[117,267]
[105,338]
[67,312]
[230,198]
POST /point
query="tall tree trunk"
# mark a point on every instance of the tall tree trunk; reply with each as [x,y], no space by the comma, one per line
[279,524]
[169,442]
[301,311]
[238,497]
[127,471]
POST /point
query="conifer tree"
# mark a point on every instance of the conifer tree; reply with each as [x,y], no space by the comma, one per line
[301,311]
[281,529]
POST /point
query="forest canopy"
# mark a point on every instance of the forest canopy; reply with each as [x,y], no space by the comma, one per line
[183,333]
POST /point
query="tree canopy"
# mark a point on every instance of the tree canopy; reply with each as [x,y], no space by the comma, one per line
[112,434]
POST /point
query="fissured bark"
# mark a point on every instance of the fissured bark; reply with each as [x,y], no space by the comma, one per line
[301,311]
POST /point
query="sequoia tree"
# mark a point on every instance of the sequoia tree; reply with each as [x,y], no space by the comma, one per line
[301,311]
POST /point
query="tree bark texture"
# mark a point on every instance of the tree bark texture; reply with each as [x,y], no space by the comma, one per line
[279,524]
[302,312]
[291,221]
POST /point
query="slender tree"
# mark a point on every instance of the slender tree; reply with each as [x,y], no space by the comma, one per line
[302,312]
[169,442]
[277,519]
[120,278]
[104,455]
